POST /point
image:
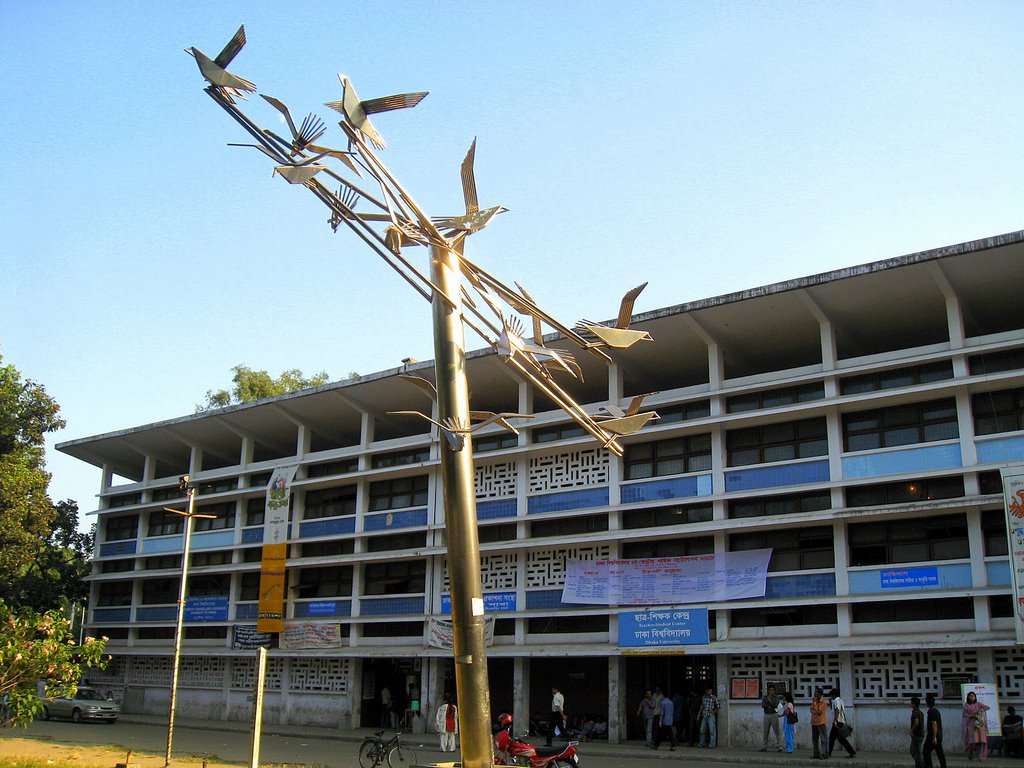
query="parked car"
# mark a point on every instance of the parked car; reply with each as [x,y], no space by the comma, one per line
[86,704]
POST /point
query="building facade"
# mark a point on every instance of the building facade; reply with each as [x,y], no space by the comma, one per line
[853,422]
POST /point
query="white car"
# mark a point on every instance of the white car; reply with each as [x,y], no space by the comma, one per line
[86,704]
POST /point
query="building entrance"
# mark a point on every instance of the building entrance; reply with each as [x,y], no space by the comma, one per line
[686,675]
[391,691]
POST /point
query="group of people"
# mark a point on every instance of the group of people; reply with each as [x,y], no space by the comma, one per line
[679,720]
[926,732]
[780,714]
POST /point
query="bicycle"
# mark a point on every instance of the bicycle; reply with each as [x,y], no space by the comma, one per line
[375,750]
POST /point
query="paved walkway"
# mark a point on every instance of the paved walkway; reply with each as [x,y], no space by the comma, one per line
[628,750]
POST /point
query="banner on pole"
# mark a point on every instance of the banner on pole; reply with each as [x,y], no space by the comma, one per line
[270,611]
[1013,495]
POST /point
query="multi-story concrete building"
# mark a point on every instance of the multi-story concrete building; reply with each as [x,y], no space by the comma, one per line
[853,422]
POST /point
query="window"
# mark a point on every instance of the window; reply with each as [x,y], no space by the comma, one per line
[777,442]
[501,532]
[996,362]
[905,491]
[913,610]
[330,502]
[260,479]
[784,616]
[659,516]
[256,511]
[793,549]
[990,482]
[156,633]
[1001,606]
[249,587]
[223,517]
[205,586]
[557,432]
[252,555]
[668,457]
[341,467]
[205,633]
[220,557]
[333,581]
[396,578]
[112,633]
[398,493]
[220,485]
[897,377]
[994,534]
[401,458]
[919,540]
[162,562]
[774,398]
[124,500]
[165,524]
[168,494]
[398,541]
[640,550]
[901,425]
[494,442]
[685,412]
[327,548]
[115,593]
[780,505]
[157,591]
[391,629]
[566,625]
[998,411]
[121,527]
[117,566]
[568,526]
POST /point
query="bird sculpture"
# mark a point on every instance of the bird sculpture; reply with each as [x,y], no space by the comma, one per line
[619,336]
[357,112]
[312,128]
[474,219]
[625,422]
[511,342]
[215,70]
[298,174]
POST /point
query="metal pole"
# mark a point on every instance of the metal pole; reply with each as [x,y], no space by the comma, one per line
[460,518]
[182,593]
[257,710]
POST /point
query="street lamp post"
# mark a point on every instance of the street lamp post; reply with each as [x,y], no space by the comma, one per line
[188,514]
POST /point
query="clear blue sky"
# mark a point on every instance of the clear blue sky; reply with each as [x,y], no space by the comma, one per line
[704,146]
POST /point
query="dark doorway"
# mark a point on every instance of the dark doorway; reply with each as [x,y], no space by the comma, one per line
[686,675]
[583,680]
[395,675]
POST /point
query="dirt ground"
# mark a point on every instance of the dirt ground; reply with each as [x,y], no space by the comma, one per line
[48,752]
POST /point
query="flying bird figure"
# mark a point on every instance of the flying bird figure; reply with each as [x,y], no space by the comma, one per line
[474,219]
[511,343]
[455,430]
[625,422]
[215,70]
[298,174]
[619,336]
[357,112]
[312,128]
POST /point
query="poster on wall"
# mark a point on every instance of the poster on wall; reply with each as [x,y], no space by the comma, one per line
[270,616]
[987,695]
[667,580]
[310,635]
[1013,494]
[441,634]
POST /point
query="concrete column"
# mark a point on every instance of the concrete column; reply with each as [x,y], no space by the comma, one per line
[617,705]
[521,693]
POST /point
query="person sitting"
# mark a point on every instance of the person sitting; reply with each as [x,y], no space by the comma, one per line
[600,728]
[1013,739]
[587,731]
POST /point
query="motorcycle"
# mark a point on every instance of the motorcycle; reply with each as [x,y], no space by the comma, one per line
[512,750]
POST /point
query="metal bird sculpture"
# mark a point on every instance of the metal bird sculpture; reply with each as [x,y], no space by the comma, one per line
[215,70]
[474,219]
[312,128]
[619,336]
[625,422]
[357,112]
[511,342]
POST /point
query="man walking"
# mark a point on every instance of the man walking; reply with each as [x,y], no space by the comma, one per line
[446,722]
[770,719]
[933,733]
[557,718]
[916,731]
[667,729]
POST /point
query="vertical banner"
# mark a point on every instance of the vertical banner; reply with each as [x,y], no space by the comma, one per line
[1013,493]
[270,616]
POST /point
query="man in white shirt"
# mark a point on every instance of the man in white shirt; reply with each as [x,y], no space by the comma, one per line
[557,718]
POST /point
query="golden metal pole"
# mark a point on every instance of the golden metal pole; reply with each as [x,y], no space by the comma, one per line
[460,518]
[182,596]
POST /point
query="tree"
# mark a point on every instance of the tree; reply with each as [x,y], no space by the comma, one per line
[55,576]
[39,647]
[27,413]
[253,385]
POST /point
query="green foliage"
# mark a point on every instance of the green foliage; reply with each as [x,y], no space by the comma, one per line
[250,385]
[27,413]
[39,647]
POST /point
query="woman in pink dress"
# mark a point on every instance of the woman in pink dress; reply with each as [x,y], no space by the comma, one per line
[975,728]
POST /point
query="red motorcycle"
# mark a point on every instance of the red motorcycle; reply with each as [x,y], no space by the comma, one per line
[512,750]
